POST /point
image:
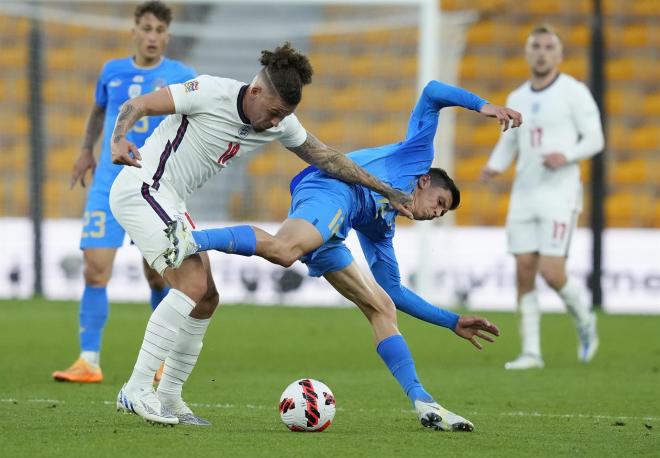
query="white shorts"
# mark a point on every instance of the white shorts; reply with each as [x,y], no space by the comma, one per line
[548,235]
[144,212]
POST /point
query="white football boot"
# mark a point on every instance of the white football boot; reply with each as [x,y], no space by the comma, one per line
[525,361]
[183,243]
[588,337]
[181,410]
[433,415]
[145,403]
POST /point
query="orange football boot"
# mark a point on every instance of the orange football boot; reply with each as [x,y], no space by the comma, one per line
[80,372]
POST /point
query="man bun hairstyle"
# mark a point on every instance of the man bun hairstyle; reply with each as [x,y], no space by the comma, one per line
[288,71]
[158,9]
[440,178]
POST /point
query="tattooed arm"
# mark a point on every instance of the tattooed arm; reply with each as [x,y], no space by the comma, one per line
[154,103]
[334,163]
[86,160]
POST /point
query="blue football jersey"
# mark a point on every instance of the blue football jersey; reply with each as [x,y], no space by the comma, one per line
[119,81]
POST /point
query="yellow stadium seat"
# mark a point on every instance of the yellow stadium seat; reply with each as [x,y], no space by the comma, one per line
[651,104]
[634,171]
[14,57]
[481,33]
[514,67]
[576,67]
[401,99]
[645,138]
[618,137]
[579,35]
[620,69]
[469,168]
[622,102]
[636,35]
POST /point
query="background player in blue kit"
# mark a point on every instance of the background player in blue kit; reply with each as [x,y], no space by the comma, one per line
[121,79]
[323,211]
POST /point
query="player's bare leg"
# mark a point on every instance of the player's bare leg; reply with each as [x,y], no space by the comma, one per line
[527,266]
[379,309]
[553,271]
[97,270]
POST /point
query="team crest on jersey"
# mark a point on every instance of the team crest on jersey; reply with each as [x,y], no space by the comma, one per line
[115,83]
[158,83]
[191,85]
[244,131]
[536,107]
[138,79]
[134,90]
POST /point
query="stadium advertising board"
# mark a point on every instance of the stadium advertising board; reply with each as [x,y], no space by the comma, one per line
[468,266]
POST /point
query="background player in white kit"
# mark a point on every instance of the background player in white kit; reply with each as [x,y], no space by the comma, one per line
[562,127]
[212,121]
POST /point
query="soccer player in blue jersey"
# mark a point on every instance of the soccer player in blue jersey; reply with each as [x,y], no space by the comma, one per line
[120,80]
[323,211]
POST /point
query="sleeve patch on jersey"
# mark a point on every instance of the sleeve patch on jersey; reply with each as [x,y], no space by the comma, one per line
[191,85]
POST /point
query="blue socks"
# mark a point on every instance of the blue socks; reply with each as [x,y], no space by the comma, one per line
[93,315]
[233,240]
[394,351]
[157,296]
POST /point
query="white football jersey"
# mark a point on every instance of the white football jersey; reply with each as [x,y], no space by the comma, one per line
[563,117]
[207,132]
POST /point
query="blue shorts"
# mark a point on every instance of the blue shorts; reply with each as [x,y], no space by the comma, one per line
[328,205]
[100,229]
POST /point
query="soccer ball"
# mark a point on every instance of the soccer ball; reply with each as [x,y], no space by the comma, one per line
[307,405]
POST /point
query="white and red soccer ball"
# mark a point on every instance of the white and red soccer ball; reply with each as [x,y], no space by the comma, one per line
[307,405]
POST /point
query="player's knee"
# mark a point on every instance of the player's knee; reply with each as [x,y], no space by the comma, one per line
[195,288]
[286,255]
[96,275]
[553,278]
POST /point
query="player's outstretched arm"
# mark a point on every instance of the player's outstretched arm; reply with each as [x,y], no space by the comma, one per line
[152,104]
[86,160]
[334,163]
[471,327]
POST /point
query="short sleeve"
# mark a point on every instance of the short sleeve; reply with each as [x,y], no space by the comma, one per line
[195,95]
[101,93]
[294,133]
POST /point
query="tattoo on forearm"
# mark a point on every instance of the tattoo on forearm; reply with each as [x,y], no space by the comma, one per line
[127,117]
[338,165]
[94,128]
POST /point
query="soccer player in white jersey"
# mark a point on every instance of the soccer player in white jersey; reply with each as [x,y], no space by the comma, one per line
[562,128]
[212,121]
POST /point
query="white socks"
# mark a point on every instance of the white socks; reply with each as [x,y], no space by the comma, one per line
[530,324]
[92,357]
[159,338]
[570,294]
[182,359]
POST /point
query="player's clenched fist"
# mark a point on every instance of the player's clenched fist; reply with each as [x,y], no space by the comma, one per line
[125,152]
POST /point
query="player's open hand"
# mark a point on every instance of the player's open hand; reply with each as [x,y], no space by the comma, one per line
[85,162]
[471,327]
[504,115]
[125,153]
[401,202]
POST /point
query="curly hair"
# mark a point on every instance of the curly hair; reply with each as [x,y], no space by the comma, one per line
[158,9]
[288,71]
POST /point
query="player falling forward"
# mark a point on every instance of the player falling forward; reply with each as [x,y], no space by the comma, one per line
[213,120]
[120,80]
[324,210]
[563,127]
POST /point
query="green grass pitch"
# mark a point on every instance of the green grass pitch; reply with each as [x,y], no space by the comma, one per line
[608,408]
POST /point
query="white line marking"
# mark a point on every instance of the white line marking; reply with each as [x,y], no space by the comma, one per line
[274,408]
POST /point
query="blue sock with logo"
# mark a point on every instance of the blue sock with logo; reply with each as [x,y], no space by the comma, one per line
[93,315]
[394,351]
[234,240]
[157,295]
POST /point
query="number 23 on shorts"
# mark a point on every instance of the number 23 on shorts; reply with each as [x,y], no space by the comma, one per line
[95,219]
